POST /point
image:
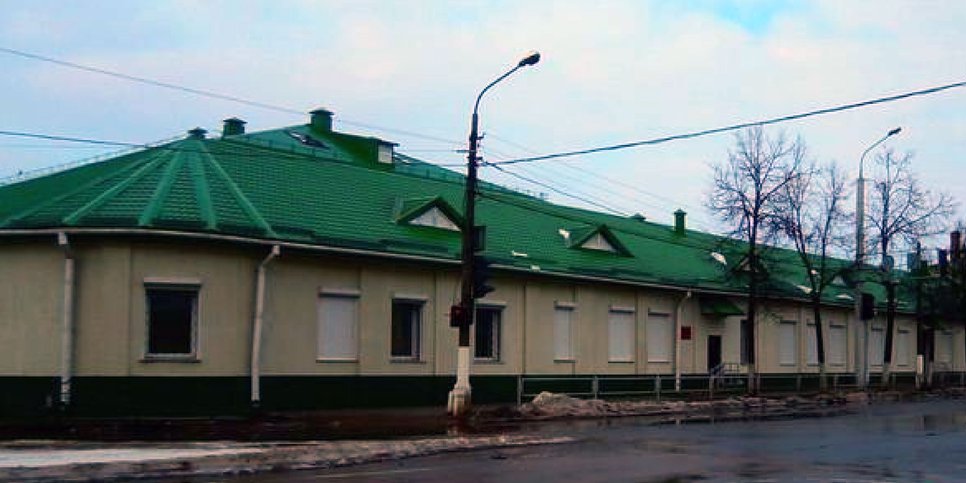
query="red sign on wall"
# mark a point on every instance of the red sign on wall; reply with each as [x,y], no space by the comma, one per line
[685,332]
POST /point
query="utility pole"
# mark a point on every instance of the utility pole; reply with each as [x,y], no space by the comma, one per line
[472,287]
[862,342]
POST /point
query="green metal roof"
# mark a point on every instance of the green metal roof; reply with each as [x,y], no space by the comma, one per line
[328,189]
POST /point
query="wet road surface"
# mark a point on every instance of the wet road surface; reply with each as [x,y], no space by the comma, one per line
[921,441]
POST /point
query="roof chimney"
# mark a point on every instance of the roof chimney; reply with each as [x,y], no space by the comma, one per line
[679,225]
[321,120]
[233,127]
[197,133]
[955,245]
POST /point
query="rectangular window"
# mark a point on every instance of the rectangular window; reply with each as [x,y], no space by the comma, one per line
[812,345]
[488,327]
[902,347]
[338,327]
[747,342]
[407,317]
[788,343]
[660,338]
[837,344]
[876,346]
[944,351]
[563,344]
[172,313]
[621,334]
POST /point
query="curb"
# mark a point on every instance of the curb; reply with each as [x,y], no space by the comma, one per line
[269,457]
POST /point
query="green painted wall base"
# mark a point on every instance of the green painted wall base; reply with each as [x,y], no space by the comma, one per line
[229,396]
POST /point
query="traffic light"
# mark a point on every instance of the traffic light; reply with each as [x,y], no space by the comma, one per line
[481,276]
[867,311]
[458,316]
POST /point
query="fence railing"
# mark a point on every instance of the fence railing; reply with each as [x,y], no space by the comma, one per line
[658,386]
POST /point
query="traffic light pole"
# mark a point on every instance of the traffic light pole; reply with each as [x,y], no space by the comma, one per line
[462,315]
[460,396]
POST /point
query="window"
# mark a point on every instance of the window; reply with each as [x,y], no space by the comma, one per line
[385,153]
[876,346]
[172,313]
[406,320]
[434,217]
[563,344]
[660,337]
[598,242]
[747,342]
[621,334]
[902,347]
[944,351]
[811,337]
[837,344]
[787,343]
[488,327]
[338,323]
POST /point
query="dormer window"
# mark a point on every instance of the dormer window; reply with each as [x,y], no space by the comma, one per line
[385,153]
[598,242]
[429,212]
[435,218]
[597,238]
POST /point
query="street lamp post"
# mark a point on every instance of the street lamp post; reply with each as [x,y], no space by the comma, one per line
[862,356]
[460,396]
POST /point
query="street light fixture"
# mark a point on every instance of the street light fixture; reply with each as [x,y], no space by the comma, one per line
[863,367]
[459,397]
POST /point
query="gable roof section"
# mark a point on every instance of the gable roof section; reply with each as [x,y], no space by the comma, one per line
[272,186]
[580,236]
[412,208]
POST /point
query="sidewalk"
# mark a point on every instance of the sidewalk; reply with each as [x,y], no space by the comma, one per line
[36,461]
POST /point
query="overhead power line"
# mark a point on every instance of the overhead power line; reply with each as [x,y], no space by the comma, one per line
[558,191]
[212,94]
[734,127]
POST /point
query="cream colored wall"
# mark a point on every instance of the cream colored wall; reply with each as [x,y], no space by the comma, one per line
[111,328]
[111,318]
[31,297]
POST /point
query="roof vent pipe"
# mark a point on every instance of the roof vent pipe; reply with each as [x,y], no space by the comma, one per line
[679,225]
[321,120]
[197,133]
[233,127]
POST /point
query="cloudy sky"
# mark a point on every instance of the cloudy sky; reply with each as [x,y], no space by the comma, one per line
[611,72]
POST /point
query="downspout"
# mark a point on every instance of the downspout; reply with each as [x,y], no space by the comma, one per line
[256,396]
[67,322]
[677,341]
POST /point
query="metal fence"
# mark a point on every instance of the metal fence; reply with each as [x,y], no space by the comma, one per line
[659,386]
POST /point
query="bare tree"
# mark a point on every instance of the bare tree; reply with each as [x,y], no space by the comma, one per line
[812,217]
[743,194]
[901,212]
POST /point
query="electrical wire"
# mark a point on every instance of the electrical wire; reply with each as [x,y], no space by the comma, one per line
[558,191]
[734,127]
[212,94]
[704,224]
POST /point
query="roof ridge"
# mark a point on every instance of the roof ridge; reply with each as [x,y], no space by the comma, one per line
[242,200]
[81,187]
[153,208]
[75,216]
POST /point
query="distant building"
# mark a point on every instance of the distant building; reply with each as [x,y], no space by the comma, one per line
[304,268]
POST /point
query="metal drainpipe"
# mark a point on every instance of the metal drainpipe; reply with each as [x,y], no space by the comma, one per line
[256,396]
[67,322]
[677,341]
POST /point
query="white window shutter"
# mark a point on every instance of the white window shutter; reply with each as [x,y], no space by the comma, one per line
[621,335]
[660,338]
[787,343]
[563,333]
[338,327]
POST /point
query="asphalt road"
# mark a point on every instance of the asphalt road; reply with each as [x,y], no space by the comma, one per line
[921,441]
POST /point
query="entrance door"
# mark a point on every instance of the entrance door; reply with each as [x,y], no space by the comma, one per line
[714,351]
